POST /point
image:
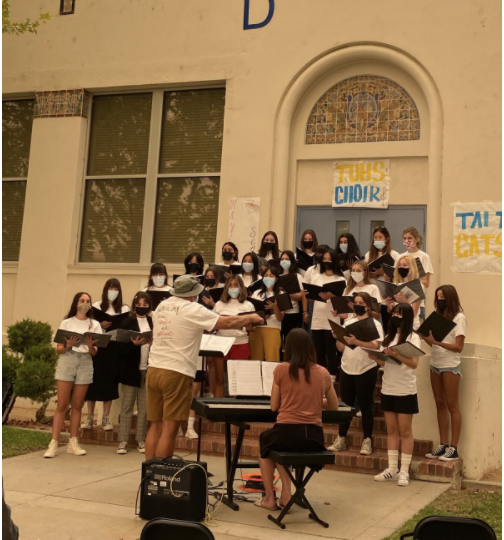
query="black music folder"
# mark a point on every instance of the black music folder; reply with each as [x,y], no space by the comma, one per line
[406,349]
[235,269]
[253,287]
[304,260]
[340,304]
[260,313]
[115,319]
[124,336]
[413,290]
[260,305]
[283,301]
[388,270]
[157,297]
[216,293]
[364,330]
[421,270]
[289,283]
[385,258]
[382,356]
[335,287]
[62,335]
[437,324]
[348,259]
[275,261]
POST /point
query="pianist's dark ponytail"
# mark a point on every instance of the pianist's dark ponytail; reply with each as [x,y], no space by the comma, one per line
[300,354]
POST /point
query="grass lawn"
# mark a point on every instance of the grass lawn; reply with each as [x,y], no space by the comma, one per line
[16,442]
[466,503]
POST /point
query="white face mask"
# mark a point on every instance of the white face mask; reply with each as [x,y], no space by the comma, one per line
[112,295]
[357,276]
[234,293]
[379,244]
[248,267]
[343,247]
[158,281]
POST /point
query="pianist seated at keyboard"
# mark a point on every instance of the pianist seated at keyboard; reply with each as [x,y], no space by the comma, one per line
[301,389]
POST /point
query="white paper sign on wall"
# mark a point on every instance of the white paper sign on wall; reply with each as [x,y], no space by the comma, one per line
[244,223]
[361,184]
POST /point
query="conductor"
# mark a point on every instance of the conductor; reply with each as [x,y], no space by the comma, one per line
[178,325]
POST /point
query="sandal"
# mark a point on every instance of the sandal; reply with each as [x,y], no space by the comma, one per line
[260,504]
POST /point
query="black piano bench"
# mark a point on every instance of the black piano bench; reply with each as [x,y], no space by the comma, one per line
[315,461]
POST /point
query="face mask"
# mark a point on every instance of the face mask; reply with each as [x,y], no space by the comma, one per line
[112,295]
[408,244]
[210,282]
[159,281]
[227,255]
[83,307]
[248,267]
[193,267]
[234,293]
[285,264]
[142,310]
[327,265]
[269,281]
[307,244]
[359,310]
[403,272]
[397,322]
[357,276]
[441,304]
[269,246]
[343,247]
[380,244]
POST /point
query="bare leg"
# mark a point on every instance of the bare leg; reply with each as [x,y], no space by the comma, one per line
[211,375]
[91,407]
[286,495]
[219,377]
[392,430]
[79,393]
[106,407]
[268,470]
[441,407]
[166,444]
[451,383]
[152,439]
[64,389]
[405,422]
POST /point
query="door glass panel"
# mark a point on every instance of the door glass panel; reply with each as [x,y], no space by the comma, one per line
[342,227]
[375,225]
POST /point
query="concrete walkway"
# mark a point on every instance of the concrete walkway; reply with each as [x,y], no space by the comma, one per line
[93,497]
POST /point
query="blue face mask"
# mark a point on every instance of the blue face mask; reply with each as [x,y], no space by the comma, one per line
[234,293]
[285,264]
[379,244]
[269,282]
[343,247]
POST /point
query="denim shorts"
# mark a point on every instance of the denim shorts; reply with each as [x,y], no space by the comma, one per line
[439,371]
[75,367]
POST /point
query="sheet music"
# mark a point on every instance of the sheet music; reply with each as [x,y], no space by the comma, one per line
[410,295]
[267,376]
[211,342]
[248,378]
[232,379]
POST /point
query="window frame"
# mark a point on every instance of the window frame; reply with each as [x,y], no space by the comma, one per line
[151,175]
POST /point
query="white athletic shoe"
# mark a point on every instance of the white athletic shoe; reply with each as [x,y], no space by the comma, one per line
[191,434]
[366,448]
[403,479]
[106,424]
[89,423]
[358,414]
[122,448]
[338,445]
[209,395]
[74,448]
[141,447]
[52,451]
[180,432]
[387,474]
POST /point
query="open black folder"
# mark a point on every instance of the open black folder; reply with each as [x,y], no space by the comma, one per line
[260,313]
[124,336]
[253,287]
[115,319]
[289,283]
[386,258]
[364,330]
[235,269]
[62,335]
[304,260]
[412,290]
[335,287]
[283,301]
[437,324]
[157,297]
[405,349]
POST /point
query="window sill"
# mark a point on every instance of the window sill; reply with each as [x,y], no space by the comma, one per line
[9,267]
[119,269]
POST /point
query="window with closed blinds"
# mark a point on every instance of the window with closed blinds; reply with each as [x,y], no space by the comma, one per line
[13,200]
[186,218]
[119,139]
[17,121]
[113,217]
[193,125]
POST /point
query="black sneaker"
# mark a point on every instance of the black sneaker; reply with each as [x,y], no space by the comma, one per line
[450,455]
[438,452]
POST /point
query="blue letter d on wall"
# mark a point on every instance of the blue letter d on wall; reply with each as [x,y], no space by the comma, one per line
[247,25]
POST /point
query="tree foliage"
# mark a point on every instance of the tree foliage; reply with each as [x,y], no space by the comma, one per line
[10,365]
[28,333]
[20,27]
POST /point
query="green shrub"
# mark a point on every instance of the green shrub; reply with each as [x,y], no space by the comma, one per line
[28,333]
[46,353]
[35,380]
[10,365]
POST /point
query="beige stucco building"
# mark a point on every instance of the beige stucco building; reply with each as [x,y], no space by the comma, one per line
[282,127]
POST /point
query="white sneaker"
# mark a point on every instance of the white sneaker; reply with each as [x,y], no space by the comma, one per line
[387,474]
[209,395]
[106,424]
[191,434]
[403,479]
[52,451]
[338,445]
[359,414]
[122,448]
[74,448]
[366,448]
[180,432]
[89,423]
[140,447]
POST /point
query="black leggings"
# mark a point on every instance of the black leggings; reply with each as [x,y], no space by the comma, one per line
[325,345]
[361,386]
[290,321]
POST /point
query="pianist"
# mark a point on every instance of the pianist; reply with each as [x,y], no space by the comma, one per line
[178,323]
[301,389]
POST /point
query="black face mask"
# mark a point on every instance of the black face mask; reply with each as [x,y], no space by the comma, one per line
[307,244]
[210,282]
[359,310]
[403,272]
[397,321]
[227,255]
[269,246]
[441,304]
[142,310]
[327,265]
[193,267]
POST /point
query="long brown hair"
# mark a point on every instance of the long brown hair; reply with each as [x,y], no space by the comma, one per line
[117,304]
[368,300]
[453,307]
[73,307]
[139,296]
[243,290]
[300,354]
[373,252]
[315,241]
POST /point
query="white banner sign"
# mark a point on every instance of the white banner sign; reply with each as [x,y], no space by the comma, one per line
[361,184]
[244,223]
[477,232]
